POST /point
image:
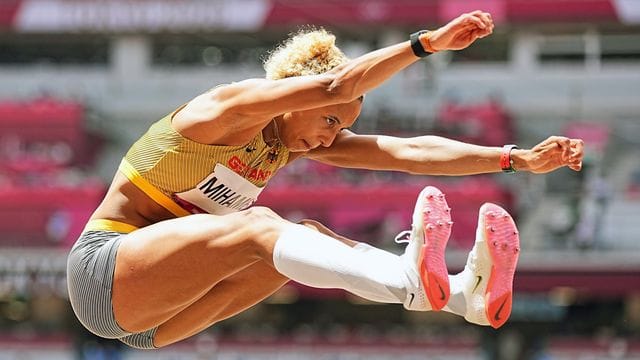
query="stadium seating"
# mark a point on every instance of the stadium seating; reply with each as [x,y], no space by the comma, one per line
[45,195]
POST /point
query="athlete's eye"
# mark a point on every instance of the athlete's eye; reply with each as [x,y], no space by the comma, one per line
[331,121]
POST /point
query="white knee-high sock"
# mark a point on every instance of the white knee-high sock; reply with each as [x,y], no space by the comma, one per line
[457,283]
[314,259]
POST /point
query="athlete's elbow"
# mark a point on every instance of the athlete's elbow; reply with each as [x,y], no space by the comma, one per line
[341,87]
[337,91]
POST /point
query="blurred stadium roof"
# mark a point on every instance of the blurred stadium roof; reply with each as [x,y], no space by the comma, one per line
[251,15]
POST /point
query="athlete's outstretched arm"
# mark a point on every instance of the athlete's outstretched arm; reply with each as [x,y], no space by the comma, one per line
[252,103]
[350,80]
[434,155]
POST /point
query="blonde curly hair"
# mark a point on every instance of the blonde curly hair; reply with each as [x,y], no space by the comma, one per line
[310,51]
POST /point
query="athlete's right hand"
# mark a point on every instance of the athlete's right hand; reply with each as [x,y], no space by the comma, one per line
[462,31]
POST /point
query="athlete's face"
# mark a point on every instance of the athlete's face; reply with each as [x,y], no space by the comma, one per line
[309,129]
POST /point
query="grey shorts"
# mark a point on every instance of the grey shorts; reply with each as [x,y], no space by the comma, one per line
[90,268]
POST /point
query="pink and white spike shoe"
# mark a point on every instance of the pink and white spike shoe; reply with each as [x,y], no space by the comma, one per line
[425,250]
[491,266]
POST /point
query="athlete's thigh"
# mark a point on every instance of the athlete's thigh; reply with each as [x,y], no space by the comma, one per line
[229,297]
[162,268]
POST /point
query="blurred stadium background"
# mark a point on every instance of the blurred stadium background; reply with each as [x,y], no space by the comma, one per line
[80,80]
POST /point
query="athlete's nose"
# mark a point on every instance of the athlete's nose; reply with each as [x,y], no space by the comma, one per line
[327,139]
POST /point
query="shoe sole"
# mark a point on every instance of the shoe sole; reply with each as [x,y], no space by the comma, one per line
[503,245]
[433,215]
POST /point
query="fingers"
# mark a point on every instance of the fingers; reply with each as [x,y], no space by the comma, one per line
[487,20]
[577,154]
[474,19]
[479,34]
[565,146]
[577,148]
[463,30]
[479,18]
[571,150]
[478,23]
[577,167]
[485,32]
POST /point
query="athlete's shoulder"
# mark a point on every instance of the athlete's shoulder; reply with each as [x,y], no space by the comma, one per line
[238,85]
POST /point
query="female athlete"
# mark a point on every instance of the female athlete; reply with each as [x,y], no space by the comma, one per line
[175,246]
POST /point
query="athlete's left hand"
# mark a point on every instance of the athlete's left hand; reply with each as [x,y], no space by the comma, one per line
[462,31]
[553,153]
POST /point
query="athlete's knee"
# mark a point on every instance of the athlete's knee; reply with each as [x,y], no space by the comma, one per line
[262,220]
[264,227]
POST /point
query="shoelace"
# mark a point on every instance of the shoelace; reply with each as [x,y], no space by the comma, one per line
[403,237]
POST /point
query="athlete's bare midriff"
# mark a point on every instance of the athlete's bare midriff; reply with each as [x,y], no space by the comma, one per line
[124,202]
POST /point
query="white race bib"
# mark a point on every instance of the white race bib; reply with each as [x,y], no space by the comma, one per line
[222,192]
